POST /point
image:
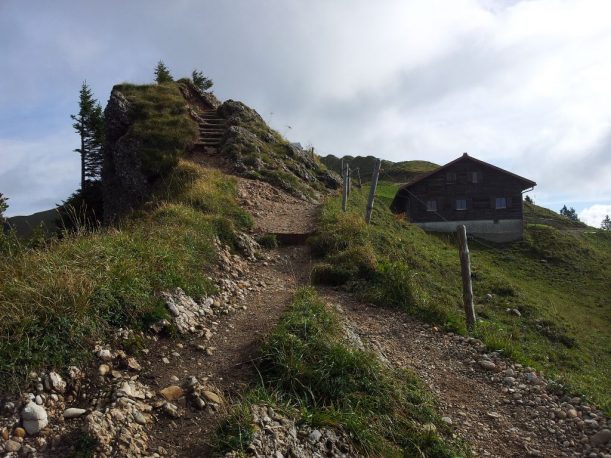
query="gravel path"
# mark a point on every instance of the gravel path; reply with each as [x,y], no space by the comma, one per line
[500,408]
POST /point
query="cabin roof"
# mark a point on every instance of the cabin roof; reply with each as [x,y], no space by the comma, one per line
[525,181]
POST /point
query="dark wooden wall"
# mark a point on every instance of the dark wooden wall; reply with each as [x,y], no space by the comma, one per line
[480,196]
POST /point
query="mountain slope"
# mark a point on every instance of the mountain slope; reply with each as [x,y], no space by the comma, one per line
[400,172]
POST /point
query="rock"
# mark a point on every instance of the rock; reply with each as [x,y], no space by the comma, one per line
[515,312]
[74,412]
[199,403]
[56,382]
[572,413]
[601,437]
[191,382]
[34,418]
[12,446]
[171,410]
[139,417]
[104,369]
[315,436]
[531,377]
[105,354]
[429,428]
[19,432]
[446,420]
[212,397]
[5,434]
[133,364]
[172,392]
[486,364]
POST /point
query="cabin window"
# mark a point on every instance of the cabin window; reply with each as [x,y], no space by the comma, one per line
[461,204]
[431,205]
[451,177]
[474,177]
[501,202]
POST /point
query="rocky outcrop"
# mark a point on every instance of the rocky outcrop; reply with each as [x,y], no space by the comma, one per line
[124,184]
[259,152]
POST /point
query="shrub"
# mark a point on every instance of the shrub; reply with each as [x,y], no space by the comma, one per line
[269,241]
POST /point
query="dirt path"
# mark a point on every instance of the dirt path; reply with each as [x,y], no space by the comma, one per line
[497,416]
[276,211]
[234,344]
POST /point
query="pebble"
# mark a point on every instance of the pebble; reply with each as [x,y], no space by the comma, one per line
[139,417]
[12,446]
[601,437]
[74,412]
[488,365]
[315,436]
[104,369]
[212,397]
[19,432]
[447,420]
[172,392]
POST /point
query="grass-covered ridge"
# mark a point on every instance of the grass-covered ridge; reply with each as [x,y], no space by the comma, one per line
[399,172]
[557,279]
[161,128]
[307,368]
[56,300]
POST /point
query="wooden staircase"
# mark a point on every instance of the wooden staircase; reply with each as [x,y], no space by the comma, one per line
[211,129]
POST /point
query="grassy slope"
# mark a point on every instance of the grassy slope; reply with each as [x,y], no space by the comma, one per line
[307,369]
[396,171]
[55,301]
[558,280]
[161,125]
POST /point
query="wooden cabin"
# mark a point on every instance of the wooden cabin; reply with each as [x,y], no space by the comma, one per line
[483,197]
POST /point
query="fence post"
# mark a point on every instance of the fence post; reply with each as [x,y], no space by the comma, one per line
[345,188]
[465,269]
[358,174]
[372,190]
[349,180]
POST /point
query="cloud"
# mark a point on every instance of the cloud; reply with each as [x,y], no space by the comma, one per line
[594,215]
[38,174]
[522,84]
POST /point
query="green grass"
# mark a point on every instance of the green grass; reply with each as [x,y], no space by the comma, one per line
[558,280]
[267,156]
[57,300]
[307,368]
[394,171]
[161,126]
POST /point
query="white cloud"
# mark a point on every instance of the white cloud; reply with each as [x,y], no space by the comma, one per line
[594,215]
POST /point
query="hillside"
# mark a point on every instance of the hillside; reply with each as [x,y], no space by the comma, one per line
[198,322]
[25,225]
[544,301]
[400,172]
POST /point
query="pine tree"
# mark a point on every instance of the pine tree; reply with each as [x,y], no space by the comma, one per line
[529,200]
[201,81]
[162,73]
[606,224]
[89,124]
[570,213]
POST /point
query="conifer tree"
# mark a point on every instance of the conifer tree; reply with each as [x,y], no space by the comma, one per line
[570,213]
[606,224]
[89,124]
[162,73]
[200,81]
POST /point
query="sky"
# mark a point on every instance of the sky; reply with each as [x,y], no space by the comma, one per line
[525,85]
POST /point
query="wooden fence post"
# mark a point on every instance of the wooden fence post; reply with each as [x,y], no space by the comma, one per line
[345,188]
[358,174]
[349,179]
[465,269]
[372,190]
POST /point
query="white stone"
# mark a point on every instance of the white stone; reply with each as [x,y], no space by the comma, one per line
[34,418]
[74,412]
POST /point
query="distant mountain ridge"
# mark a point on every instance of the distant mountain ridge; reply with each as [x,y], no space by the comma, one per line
[25,225]
[399,172]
